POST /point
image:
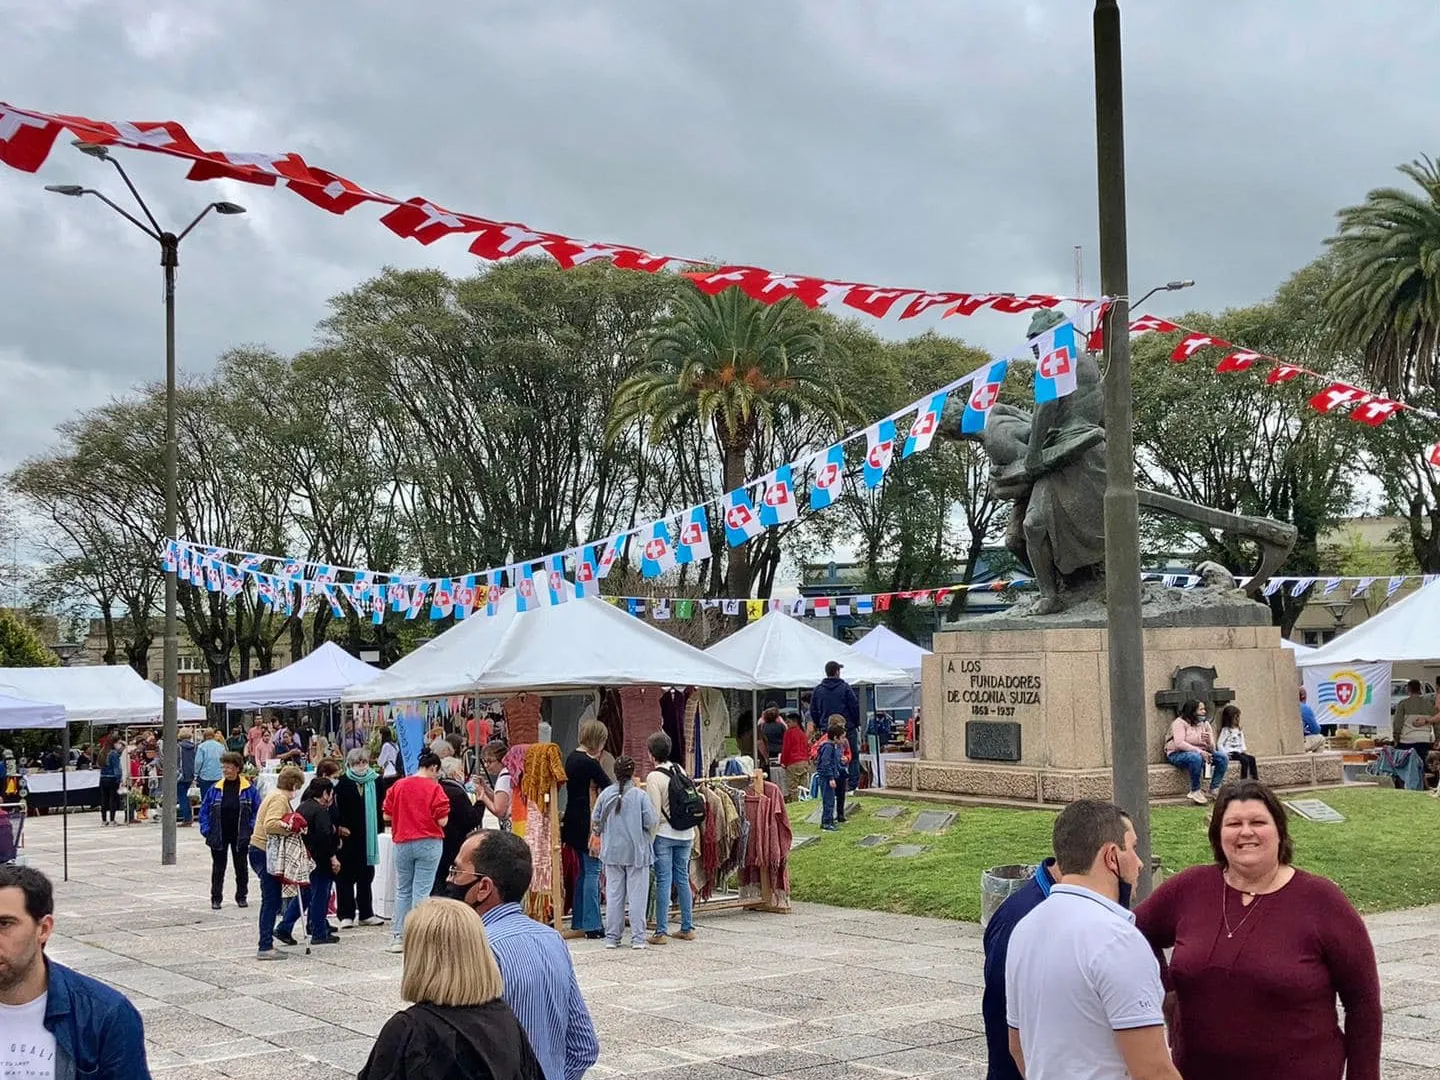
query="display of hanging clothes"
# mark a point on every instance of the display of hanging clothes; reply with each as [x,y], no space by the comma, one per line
[640,706]
[733,834]
[609,714]
[522,719]
[672,720]
[769,846]
[542,773]
[694,757]
[714,729]
[706,855]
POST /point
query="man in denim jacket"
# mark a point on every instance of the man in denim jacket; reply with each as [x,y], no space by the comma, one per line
[57,1022]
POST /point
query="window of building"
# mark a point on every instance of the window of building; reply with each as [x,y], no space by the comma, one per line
[187,665]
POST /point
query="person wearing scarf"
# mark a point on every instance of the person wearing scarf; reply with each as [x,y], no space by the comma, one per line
[357,815]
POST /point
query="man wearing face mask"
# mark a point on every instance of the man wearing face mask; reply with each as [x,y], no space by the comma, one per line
[491,873]
[1083,993]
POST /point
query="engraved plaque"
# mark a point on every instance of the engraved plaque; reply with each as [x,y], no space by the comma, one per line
[992,740]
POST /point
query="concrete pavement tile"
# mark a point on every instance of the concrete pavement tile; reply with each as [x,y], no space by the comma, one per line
[704,1070]
[282,1066]
[248,1014]
[926,1033]
[973,1047]
[777,1062]
[1409,1051]
[914,1062]
[851,1047]
[631,1062]
[971,1070]
[350,1055]
[184,1031]
[1406,993]
[844,1070]
[212,1052]
[721,1046]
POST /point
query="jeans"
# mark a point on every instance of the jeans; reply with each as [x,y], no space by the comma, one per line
[316,924]
[270,899]
[352,888]
[1192,761]
[415,863]
[832,801]
[109,797]
[626,887]
[231,851]
[672,864]
[585,910]
[852,735]
[182,802]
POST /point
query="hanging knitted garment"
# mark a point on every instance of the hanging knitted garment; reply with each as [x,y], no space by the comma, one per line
[672,713]
[714,727]
[522,718]
[609,715]
[640,706]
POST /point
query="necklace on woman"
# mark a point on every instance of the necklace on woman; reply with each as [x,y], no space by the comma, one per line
[1255,897]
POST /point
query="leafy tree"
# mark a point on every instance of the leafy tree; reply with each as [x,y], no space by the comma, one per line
[20,645]
[738,370]
[1385,296]
[1232,442]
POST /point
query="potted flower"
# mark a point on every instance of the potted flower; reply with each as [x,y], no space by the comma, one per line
[140,803]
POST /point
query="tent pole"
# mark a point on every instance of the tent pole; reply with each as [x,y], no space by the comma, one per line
[65,800]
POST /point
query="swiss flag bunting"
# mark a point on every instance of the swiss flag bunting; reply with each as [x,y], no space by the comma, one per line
[1432,454]
[1146,323]
[422,220]
[1336,396]
[1190,344]
[25,141]
[1283,373]
[1375,411]
[1239,360]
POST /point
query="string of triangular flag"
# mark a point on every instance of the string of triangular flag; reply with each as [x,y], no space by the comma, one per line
[1361,405]
[27,137]
[759,504]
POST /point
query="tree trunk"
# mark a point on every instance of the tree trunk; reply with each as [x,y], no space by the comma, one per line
[108,619]
[737,565]
[1425,545]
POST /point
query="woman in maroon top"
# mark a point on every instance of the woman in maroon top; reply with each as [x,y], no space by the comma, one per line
[1261,952]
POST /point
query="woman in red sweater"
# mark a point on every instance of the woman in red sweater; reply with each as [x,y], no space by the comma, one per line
[1261,952]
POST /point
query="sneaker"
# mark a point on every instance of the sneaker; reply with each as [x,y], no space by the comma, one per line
[839,821]
[611,944]
[1213,794]
[1197,797]
[657,939]
[685,935]
[830,828]
[270,954]
[639,945]
[285,939]
[347,924]
[242,902]
[594,935]
[331,940]
[372,920]
[214,905]
[397,945]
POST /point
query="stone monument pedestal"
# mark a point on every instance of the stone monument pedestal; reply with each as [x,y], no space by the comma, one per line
[1023,713]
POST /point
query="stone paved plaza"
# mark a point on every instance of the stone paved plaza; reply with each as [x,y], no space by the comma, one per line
[822,994]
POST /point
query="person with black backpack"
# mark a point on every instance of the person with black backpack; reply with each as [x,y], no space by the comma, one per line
[681,809]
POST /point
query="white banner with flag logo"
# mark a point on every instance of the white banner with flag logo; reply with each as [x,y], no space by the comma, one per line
[1350,695]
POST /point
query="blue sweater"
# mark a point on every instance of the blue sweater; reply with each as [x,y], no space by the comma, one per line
[997,945]
[625,828]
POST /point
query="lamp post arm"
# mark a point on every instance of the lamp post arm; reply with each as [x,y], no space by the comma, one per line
[139,201]
[198,218]
[153,234]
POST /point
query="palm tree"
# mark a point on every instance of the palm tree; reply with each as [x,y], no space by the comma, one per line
[737,367]
[1386,296]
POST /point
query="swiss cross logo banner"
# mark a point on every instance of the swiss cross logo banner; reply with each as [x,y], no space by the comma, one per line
[1239,360]
[1147,323]
[923,428]
[879,451]
[420,219]
[1190,344]
[984,393]
[1375,411]
[555,579]
[494,590]
[658,555]
[525,599]
[25,141]
[694,545]
[1283,373]
[1055,358]
[1336,396]
[829,476]
[777,505]
[443,602]
[873,301]
[741,522]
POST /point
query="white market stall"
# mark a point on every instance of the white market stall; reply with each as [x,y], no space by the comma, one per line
[18,713]
[101,694]
[562,649]
[780,652]
[316,679]
[883,644]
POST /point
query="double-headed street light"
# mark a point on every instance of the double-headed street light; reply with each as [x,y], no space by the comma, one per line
[169,259]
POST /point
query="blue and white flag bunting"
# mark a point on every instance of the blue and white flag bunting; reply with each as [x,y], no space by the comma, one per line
[555,578]
[741,521]
[879,450]
[777,505]
[525,598]
[694,545]
[1056,354]
[829,478]
[658,555]
[984,393]
[924,426]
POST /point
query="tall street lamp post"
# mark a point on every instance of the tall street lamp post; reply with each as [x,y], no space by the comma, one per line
[1126,642]
[169,260]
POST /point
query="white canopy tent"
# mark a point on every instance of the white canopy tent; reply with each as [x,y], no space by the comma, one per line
[17,713]
[1298,649]
[318,678]
[553,649]
[101,694]
[780,651]
[883,644]
[22,713]
[1407,631]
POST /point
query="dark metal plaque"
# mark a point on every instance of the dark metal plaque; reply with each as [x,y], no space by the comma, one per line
[992,740]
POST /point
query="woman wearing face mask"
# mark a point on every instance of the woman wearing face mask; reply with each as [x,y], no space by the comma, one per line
[1251,931]
[1191,746]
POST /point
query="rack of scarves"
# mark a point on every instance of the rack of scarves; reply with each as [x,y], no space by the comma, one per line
[745,836]
[536,776]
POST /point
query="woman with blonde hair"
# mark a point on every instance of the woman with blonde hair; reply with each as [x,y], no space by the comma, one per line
[458,1026]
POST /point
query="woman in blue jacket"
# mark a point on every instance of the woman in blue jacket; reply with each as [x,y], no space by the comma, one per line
[227,817]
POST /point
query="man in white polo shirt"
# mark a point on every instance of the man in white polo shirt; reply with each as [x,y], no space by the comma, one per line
[1083,994]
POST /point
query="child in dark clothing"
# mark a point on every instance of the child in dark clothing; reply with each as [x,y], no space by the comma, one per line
[830,767]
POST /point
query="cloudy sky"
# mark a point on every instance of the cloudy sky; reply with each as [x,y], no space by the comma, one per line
[926,143]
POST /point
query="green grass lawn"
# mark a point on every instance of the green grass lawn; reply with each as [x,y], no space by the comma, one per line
[1386,854]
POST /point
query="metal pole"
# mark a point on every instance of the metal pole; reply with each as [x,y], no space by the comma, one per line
[170,758]
[65,802]
[1128,714]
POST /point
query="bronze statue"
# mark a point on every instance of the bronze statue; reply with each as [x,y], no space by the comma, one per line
[1051,463]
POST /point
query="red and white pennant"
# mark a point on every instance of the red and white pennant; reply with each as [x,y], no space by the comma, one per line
[28,136]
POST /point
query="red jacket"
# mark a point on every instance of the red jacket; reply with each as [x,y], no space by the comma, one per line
[795,750]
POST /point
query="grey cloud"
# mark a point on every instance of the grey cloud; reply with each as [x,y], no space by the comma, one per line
[926,144]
